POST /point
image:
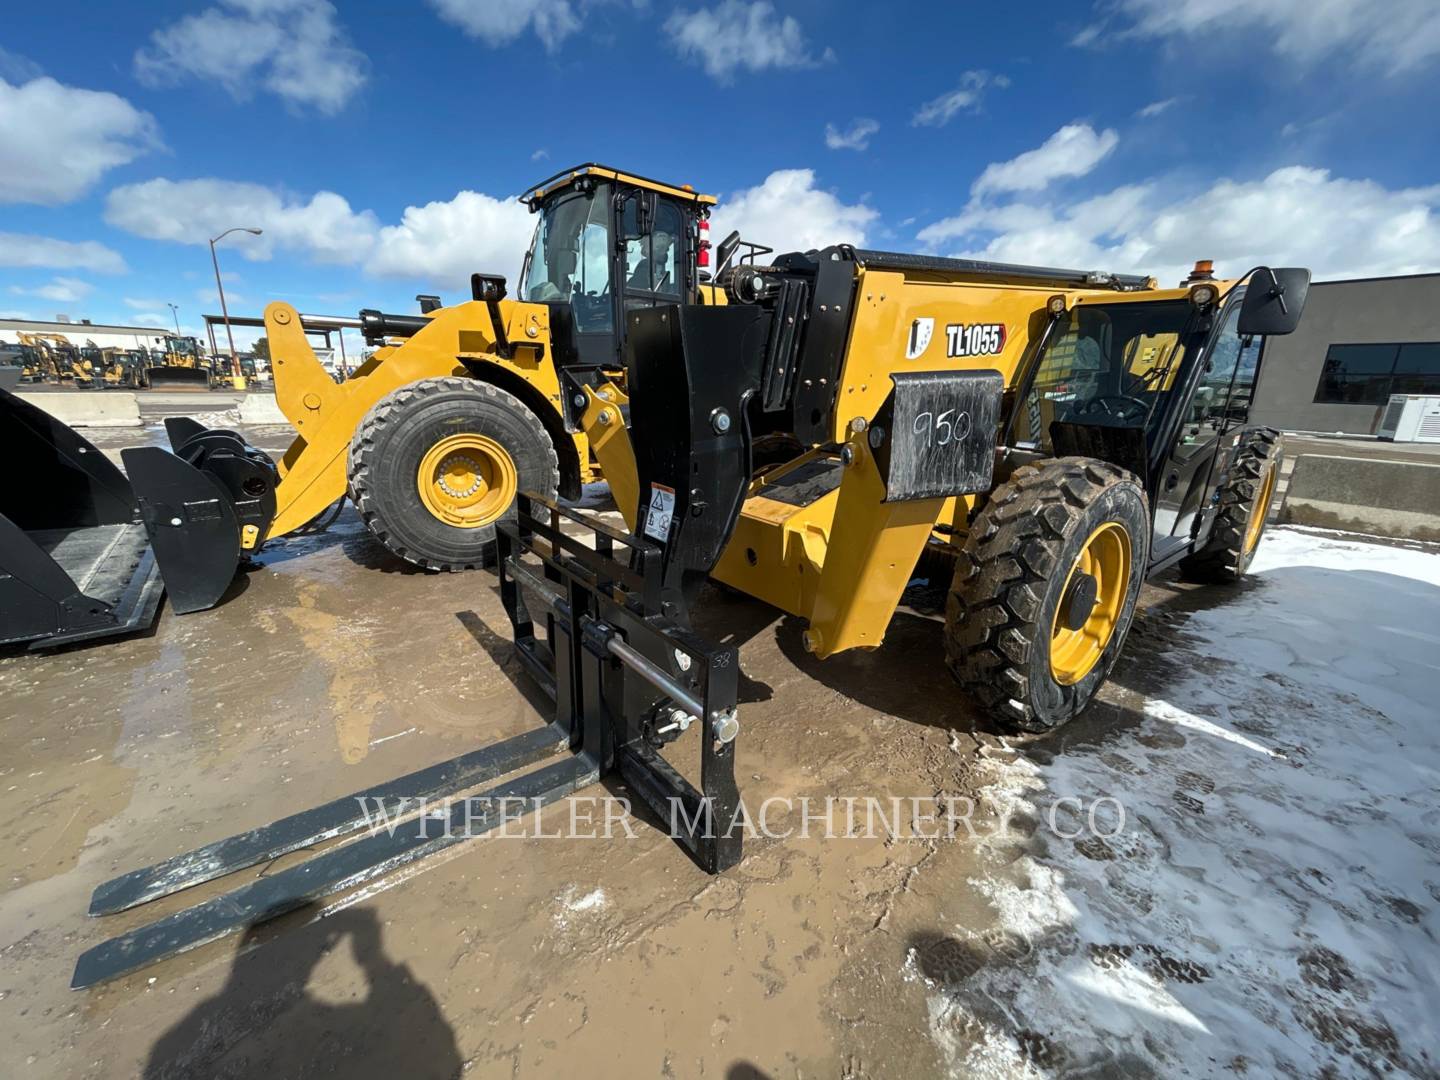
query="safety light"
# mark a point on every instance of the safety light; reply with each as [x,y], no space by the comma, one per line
[1056,305]
[1204,295]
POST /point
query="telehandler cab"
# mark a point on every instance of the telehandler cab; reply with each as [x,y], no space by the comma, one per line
[458,409]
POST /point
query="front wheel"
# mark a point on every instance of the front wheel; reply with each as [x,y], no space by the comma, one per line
[1246,495]
[1045,590]
[435,464]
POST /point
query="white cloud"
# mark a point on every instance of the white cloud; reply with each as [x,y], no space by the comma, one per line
[734,34]
[325,228]
[937,112]
[148,318]
[57,140]
[62,290]
[441,242]
[1296,216]
[1392,36]
[857,137]
[445,242]
[20,250]
[1155,108]
[499,22]
[17,68]
[296,49]
[143,303]
[1072,151]
[540,155]
[789,213]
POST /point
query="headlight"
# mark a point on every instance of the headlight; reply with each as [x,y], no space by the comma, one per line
[1204,295]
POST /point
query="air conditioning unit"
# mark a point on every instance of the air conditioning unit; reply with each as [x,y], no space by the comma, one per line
[1411,418]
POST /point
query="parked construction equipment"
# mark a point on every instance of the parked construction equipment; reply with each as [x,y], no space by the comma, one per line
[178,366]
[1065,433]
[459,408]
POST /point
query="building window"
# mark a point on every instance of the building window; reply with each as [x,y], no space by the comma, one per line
[1369,374]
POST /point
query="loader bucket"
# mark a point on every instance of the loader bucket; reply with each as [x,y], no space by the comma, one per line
[197,501]
[75,562]
[173,377]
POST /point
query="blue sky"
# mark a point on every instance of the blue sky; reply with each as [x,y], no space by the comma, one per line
[379,145]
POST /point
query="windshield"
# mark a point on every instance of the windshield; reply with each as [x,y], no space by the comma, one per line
[1104,365]
[570,258]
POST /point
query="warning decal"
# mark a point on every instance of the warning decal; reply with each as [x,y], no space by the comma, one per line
[662,510]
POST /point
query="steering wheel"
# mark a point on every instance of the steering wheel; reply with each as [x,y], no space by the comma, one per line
[1126,405]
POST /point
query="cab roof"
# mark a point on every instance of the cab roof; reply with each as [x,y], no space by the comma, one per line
[565,177]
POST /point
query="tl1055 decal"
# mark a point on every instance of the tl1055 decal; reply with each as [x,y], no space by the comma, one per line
[974,339]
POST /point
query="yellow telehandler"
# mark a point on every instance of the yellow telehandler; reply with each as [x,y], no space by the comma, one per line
[1066,433]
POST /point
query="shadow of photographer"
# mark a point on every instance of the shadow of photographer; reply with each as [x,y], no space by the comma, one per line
[265,1021]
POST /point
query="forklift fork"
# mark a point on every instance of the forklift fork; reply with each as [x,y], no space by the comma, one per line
[625,679]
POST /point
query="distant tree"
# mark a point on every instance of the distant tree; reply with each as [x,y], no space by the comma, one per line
[261,348]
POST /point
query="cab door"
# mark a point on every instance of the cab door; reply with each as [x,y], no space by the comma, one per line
[653,241]
[1208,430]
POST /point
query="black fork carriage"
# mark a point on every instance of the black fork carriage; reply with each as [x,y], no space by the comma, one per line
[626,680]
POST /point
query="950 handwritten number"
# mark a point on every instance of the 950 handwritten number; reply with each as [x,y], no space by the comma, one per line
[950,426]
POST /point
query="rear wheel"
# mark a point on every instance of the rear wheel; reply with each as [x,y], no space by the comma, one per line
[1245,499]
[1045,589]
[434,465]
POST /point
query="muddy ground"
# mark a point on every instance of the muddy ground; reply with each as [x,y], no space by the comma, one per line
[334,666]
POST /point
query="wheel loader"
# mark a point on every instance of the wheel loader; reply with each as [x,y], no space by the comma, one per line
[458,409]
[1065,434]
[179,365]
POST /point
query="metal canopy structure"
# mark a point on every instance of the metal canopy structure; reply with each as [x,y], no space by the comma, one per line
[321,325]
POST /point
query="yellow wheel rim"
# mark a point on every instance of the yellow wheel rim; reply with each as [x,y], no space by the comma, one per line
[1105,557]
[467,480]
[1261,511]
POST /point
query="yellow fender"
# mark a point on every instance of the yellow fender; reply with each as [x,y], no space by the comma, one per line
[326,414]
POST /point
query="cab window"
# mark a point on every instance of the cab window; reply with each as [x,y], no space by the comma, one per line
[650,259]
[570,260]
[1229,360]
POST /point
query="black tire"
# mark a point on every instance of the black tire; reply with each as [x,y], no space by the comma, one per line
[1012,575]
[392,441]
[1255,472]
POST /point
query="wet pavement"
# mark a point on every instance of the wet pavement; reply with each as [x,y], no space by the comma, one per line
[334,666]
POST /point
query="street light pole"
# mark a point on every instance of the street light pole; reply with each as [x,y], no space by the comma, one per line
[225,311]
[175,311]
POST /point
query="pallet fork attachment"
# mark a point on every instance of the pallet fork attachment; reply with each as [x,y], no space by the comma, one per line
[625,681]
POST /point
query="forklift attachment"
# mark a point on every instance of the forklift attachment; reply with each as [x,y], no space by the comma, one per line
[74,560]
[204,503]
[625,680]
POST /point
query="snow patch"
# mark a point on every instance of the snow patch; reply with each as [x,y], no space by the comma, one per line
[1268,904]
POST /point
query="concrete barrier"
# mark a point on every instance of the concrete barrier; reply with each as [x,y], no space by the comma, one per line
[261,409]
[1380,496]
[88,408]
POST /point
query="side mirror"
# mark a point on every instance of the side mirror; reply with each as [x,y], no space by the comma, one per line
[487,287]
[726,250]
[1274,301]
